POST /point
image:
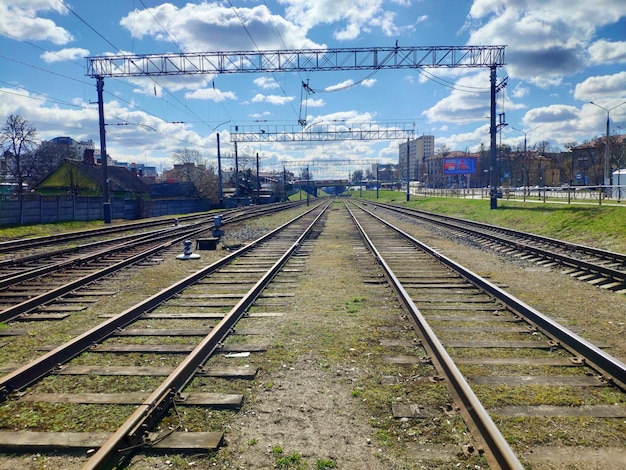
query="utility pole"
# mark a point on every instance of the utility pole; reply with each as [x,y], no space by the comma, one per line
[106,198]
[408,171]
[220,189]
[308,184]
[377,181]
[527,183]
[607,172]
[258,181]
[236,174]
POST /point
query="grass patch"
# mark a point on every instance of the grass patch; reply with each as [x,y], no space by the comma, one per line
[599,226]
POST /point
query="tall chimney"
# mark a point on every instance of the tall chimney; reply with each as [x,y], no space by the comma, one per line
[88,156]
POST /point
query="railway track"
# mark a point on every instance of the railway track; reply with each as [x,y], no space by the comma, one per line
[602,268]
[208,304]
[520,381]
[50,284]
[491,348]
[26,251]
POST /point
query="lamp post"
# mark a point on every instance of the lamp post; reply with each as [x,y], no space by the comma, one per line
[607,174]
[525,152]
[619,165]
[408,171]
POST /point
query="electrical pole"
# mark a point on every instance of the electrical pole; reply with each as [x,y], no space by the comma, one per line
[408,171]
[607,172]
[220,189]
[106,198]
[258,181]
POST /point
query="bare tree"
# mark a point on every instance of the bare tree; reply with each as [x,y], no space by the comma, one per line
[357,176]
[18,141]
[50,156]
[191,166]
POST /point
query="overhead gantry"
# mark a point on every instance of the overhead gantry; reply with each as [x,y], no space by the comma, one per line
[307,60]
[322,132]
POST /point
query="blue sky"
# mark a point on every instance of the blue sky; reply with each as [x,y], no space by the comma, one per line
[560,55]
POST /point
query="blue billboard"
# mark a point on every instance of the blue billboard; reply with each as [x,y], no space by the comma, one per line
[459,166]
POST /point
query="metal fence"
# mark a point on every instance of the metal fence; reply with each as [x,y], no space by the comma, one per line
[562,194]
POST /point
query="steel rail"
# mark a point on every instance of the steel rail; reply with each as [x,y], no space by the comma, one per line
[34,242]
[133,431]
[500,454]
[34,302]
[42,366]
[129,241]
[235,216]
[611,368]
[8,245]
[568,246]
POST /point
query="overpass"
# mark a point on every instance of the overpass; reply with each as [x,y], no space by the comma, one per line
[311,186]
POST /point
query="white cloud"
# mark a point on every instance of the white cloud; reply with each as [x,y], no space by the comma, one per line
[602,87]
[369,82]
[468,102]
[310,103]
[213,26]
[520,91]
[266,83]
[212,94]
[547,39]
[271,99]
[340,86]
[601,52]
[21,21]
[71,53]
[140,133]
[154,86]
[356,16]
[553,113]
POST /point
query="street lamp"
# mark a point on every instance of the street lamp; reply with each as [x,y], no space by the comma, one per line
[607,174]
[525,152]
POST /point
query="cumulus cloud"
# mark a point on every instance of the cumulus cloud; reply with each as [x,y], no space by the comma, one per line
[310,103]
[212,94]
[71,53]
[266,83]
[543,44]
[468,102]
[601,52]
[353,16]
[22,21]
[213,26]
[272,99]
[602,87]
[340,86]
[552,113]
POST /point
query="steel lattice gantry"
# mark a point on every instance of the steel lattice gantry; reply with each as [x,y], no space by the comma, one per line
[367,58]
[322,132]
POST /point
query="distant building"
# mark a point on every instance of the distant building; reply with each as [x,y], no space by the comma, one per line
[386,172]
[68,142]
[420,149]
